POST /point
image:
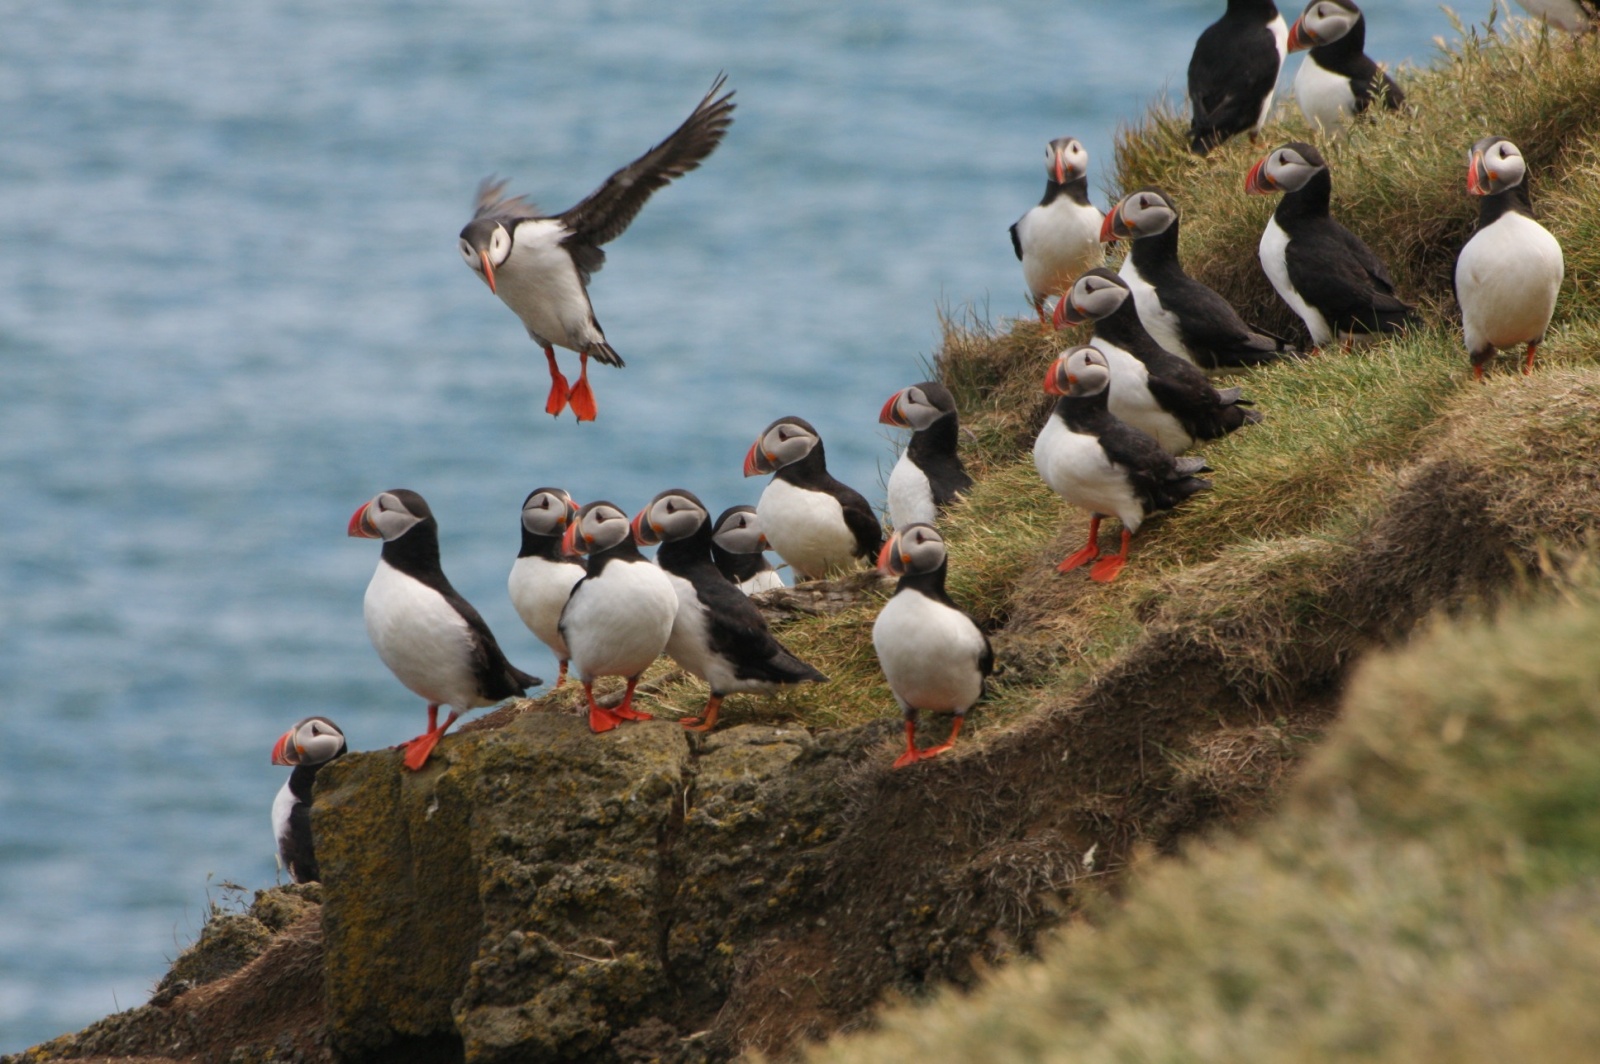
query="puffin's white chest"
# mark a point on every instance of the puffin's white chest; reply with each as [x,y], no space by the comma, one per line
[1274,253]
[1130,399]
[1507,279]
[1280,38]
[616,624]
[1158,321]
[807,529]
[1059,242]
[1325,98]
[539,588]
[420,636]
[765,580]
[910,494]
[282,806]
[540,282]
[1077,469]
[689,643]
[929,653]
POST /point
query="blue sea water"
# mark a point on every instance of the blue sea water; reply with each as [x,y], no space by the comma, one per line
[232,310]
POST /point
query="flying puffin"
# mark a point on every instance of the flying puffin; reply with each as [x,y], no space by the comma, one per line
[540,265]
[619,615]
[1574,16]
[1336,79]
[1234,72]
[1508,274]
[717,634]
[1180,313]
[542,576]
[307,746]
[816,524]
[929,475]
[1338,285]
[1057,240]
[1152,389]
[737,546]
[1103,465]
[934,656]
[430,637]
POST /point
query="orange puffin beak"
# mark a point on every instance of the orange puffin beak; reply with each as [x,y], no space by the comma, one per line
[361,525]
[1061,170]
[890,414]
[644,533]
[1299,39]
[488,271]
[1051,385]
[284,751]
[1067,313]
[757,461]
[1256,182]
[890,560]
[569,542]
[1108,228]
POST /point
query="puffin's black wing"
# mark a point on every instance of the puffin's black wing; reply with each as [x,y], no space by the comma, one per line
[860,520]
[496,677]
[1367,82]
[606,212]
[1016,241]
[737,631]
[1343,278]
[491,204]
[1230,73]
[1213,330]
[296,849]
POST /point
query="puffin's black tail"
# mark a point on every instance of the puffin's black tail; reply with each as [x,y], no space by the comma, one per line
[521,680]
[601,352]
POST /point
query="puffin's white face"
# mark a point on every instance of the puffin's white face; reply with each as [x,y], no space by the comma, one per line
[915,548]
[670,515]
[784,443]
[387,517]
[598,526]
[1323,22]
[1285,169]
[1493,165]
[310,742]
[1078,371]
[913,408]
[491,243]
[547,512]
[1142,214]
[1096,296]
[1066,160]
[739,532]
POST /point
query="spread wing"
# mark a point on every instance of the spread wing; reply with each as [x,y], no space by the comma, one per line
[491,204]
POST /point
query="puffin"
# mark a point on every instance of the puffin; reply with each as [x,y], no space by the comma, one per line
[1338,285]
[540,265]
[1181,314]
[1101,464]
[929,475]
[1233,73]
[815,523]
[1336,79]
[1056,240]
[430,637]
[1152,389]
[1574,16]
[619,616]
[543,574]
[306,747]
[737,546]
[717,634]
[933,654]
[1507,276]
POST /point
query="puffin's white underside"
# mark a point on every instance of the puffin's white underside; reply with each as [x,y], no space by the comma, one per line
[539,588]
[910,494]
[1130,399]
[1059,243]
[765,580]
[1507,279]
[929,653]
[1076,468]
[807,529]
[1275,264]
[540,282]
[1158,321]
[618,623]
[282,806]
[423,640]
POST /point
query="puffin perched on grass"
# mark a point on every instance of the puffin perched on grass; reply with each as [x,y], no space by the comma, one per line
[929,475]
[934,656]
[1233,73]
[1508,275]
[310,744]
[1337,80]
[1057,240]
[818,525]
[1100,464]
[737,548]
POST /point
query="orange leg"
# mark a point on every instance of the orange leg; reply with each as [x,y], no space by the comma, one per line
[1044,319]
[911,756]
[600,720]
[582,395]
[559,392]
[1106,569]
[707,720]
[626,710]
[1090,551]
[1477,371]
[1527,367]
[419,749]
[955,730]
[561,674]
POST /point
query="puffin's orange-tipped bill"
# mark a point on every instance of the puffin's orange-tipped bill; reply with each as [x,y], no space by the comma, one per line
[1478,175]
[1068,314]
[283,751]
[756,461]
[488,271]
[890,414]
[644,533]
[1108,228]
[1299,39]
[569,542]
[890,561]
[361,525]
[1061,169]
[1256,182]
[1052,384]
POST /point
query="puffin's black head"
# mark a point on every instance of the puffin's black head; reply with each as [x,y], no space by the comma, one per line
[672,515]
[389,515]
[1143,213]
[596,527]
[1078,371]
[1098,294]
[485,244]
[547,511]
[738,531]
[312,741]
[918,406]
[1493,165]
[913,549]
[1066,160]
[1323,22]
[784,442]
[1285,169]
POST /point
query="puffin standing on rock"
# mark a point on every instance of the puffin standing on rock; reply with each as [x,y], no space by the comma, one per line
[929,475]
[1099,464]
[430,637]
[1180,313]
[1056,240]
[619,615]
[737,548]
[717,633]
[1508,275]
[1338,285]
[815,523]
[934,656]
[307,746]
[543,575]
[1233,73]
[1151,389]
[1336,80]
[540,265]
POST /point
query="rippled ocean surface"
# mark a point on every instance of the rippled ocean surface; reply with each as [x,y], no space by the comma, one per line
[231,310]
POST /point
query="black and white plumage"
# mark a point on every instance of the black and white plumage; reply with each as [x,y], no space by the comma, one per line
[1059,239]
[738,548]
[430,637]
[818,525]
[1509,274]
[1233,72]
[1574,16]
[1100,464]
[1181,314]
[933,654]
[1334,282]
[1151,389]
[540,265]
[542,576]
[310,744]
[1337,80]
[717,633]
[929,475]
[619,616]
